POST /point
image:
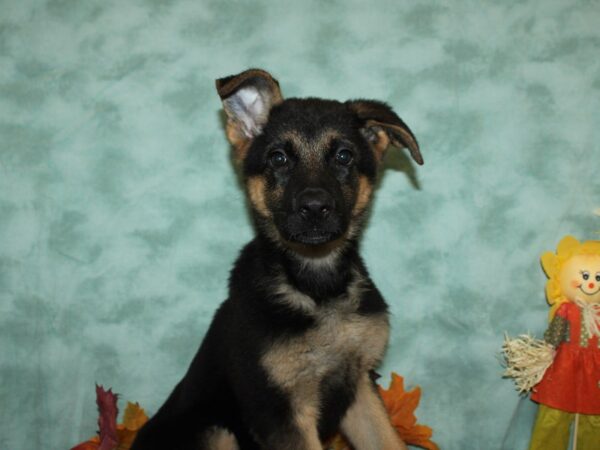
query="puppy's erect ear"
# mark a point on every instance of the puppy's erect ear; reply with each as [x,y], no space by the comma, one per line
[247,100]
[382,127]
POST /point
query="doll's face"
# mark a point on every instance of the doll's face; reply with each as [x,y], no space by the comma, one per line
[580,278]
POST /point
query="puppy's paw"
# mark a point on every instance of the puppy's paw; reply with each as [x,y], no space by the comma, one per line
[219,439]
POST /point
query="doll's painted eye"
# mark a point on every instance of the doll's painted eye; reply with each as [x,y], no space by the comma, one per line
[598,277]
[585,275]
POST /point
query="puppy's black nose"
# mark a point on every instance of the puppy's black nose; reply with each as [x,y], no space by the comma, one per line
[314,203]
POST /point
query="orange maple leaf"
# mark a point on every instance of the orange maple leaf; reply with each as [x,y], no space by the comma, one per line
[401,407]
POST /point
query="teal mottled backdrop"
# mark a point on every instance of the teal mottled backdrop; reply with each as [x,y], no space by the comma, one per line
[120,214]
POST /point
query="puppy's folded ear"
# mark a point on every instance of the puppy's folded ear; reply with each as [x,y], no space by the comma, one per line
[247,100]
[382,127]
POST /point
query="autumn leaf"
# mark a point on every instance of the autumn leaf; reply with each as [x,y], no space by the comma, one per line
[401,407]
[92,444]
[112,436]
[134,416]
[133,419]
[107,419]
[338,442]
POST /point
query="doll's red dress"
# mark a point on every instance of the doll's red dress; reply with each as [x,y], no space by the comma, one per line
[572,382]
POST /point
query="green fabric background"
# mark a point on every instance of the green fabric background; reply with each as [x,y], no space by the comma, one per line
[120,214]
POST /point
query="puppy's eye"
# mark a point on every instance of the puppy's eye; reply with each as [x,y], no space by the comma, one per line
[344,156]
[278,159]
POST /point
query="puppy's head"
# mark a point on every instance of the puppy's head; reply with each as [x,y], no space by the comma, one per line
[309,165]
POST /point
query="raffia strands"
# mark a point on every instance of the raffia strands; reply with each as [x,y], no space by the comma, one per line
[590,316]
[527,359]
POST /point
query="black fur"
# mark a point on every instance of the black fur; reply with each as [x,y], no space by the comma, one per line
[227,385]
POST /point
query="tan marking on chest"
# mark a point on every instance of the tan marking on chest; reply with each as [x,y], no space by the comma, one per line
[339,337]
[340,340]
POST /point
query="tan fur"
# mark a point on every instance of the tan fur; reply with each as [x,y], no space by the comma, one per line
[236,138]
[295,138]
[365,189]
[311,151]
[319,146]
[340,335]
[220,439]
[306,418]
[288,295]
[366,423]
[407,141]
[270,94]
[385,130]
[386,135]
[298,365]
[291,297]
[381,144]
[321,256]
[256,187]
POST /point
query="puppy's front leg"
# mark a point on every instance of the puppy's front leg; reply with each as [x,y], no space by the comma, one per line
[299,432]
[366,423]
[306,422]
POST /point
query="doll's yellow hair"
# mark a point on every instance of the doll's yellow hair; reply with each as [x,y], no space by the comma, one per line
[552,264]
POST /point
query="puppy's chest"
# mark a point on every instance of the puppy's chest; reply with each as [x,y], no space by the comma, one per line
[338,341]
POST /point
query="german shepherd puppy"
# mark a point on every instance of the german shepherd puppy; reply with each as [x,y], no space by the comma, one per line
[286,362]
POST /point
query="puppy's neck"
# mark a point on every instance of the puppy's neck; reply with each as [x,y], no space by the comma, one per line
[322,272]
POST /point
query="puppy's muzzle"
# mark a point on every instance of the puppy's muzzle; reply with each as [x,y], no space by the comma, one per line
[314,217]
[314,204]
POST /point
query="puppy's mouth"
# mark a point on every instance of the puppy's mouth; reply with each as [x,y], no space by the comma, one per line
[313,237]
[294,229]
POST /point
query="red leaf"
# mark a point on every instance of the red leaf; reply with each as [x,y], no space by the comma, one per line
[107,420]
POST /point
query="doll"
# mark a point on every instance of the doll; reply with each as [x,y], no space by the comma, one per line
[563,371]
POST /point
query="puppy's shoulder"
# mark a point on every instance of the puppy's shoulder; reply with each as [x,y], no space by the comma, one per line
[371,301]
